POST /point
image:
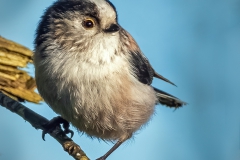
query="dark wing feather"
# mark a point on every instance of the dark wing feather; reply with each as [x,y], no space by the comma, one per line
[144,72]
[167,99]
[141,68]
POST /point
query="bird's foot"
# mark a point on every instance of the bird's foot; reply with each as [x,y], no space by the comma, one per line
[56,122]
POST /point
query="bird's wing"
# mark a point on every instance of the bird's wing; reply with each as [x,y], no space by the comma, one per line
[167,99]
[144,72]
[139,63]
[143,69]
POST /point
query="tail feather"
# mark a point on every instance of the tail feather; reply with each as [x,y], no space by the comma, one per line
[167,99]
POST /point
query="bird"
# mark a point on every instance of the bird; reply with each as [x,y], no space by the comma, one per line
[93,74]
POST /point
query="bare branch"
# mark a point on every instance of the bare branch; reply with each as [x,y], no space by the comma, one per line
[38,122]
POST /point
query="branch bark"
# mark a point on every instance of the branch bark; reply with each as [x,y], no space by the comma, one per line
[38,121]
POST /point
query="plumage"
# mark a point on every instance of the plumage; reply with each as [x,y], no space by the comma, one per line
[92,72]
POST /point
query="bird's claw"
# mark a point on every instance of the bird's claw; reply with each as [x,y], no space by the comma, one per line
[56,122]
[44,132]
[67,131]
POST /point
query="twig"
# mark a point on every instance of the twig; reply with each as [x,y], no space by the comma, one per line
[38,122]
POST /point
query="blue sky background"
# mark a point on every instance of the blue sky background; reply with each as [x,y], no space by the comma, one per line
[194,43]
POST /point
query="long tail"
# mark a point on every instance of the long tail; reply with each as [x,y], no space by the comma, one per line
[167,99]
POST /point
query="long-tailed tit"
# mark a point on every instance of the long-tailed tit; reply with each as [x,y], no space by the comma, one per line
[91,71]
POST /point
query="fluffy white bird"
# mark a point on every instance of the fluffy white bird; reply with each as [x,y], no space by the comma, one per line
[91,71]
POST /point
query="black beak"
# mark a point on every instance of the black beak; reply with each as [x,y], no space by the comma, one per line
[112,28]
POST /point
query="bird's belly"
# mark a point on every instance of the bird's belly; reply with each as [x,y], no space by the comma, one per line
[107,107]
[113,113]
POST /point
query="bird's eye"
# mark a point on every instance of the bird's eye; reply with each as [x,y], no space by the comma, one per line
[88,23]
